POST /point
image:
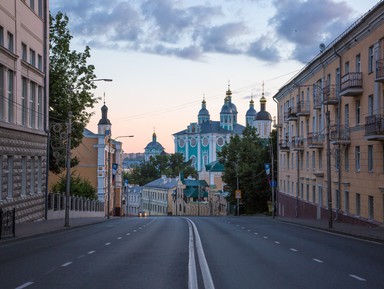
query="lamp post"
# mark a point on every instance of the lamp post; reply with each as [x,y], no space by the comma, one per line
[109,170]
[327,114]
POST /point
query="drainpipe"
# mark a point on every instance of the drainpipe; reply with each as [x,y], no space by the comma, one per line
[339,135]
[46,103]
[275,201]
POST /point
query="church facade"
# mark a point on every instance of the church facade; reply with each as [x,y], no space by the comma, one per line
[201,140]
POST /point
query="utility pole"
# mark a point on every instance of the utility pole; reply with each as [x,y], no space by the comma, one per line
[109,176]
[68,186]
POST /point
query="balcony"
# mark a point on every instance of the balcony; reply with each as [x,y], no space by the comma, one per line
[291,114]
[380,70]
[315,140]
[374,127]
[297,144]
[330,95]
[340,134]
[316,101]
[319,173]
[352,84]
[302,108]
[278,123]
[284,145]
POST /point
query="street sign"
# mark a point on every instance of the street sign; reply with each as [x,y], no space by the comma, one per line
[267,169]
[238,194]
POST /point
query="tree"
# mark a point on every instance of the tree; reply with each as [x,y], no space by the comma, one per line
[70,84]
[168,165]
[244,161]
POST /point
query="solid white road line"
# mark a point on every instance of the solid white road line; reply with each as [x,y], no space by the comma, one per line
[192,276]
[357,278]
[205,272]
[24,285]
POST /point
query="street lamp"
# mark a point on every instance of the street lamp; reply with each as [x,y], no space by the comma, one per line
[327,114]
[109,170]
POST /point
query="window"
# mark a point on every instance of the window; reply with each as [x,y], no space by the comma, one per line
[32,57]
[10,41]
[39,175]
[357,158]
[2,83]
[346,115]
[40,107]
[1,177]
[337,159]
[371,207]
[358,63]
[337,201]
[370,59]
[32,4]
[370,158]
[40,8]
[346,67]
[358,204]
[320,159]
[1,36]
[370,105]
[346,202]
[40,62]
[10,95]
[313,160]
[307,193]
[24,51]
[314,194]
[24,106]
[32,103]
[346,159]
[358,111]
[307,160]
[32,181]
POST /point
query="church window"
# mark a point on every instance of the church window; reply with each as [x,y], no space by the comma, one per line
[220,141]
[205,141]
[193,142]
[181,142]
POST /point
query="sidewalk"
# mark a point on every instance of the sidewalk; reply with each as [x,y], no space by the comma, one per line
[26,230]
[363,232]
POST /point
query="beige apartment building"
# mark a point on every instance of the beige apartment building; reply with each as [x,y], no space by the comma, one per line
[336,164]
[23,107]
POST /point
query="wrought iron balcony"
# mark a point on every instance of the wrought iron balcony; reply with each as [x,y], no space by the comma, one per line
[374,127]
[297,144]
[380,70]
[340,134]
[291,114]
[315,140]
[317,100]
[351,84]
[330,95]
[284,146]
[302,108]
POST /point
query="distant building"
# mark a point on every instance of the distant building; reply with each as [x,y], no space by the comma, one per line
[133,200]
[24,100]
[203,139]
[153,148]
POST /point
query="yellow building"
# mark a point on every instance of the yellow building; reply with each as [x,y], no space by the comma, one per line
[333,168]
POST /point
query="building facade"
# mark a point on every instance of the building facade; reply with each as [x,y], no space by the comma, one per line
[331,129]
[132,200]
[24,50]
[203,139]
[153,148]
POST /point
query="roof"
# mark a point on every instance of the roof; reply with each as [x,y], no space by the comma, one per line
[215,166]
[214,127]
[163,183]
[263,115]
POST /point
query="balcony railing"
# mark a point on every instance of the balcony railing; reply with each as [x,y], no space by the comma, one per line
[351,84]
[297,144]
[316,100]
[374,127]
[340,134]
[291,113]
[315,140]
[302,108]
[330,95]
[380,70]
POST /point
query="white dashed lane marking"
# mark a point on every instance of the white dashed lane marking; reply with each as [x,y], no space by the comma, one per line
[317,260]
[357,277]
[24,285]
[91,252]
[107,244]
[66,264]
[294,250]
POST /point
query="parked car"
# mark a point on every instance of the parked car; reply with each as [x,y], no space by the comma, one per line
[142,214]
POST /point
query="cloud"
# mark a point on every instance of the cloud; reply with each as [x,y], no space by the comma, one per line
[192,31]
[306,24]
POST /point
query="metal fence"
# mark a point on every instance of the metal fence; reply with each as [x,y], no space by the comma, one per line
[57,202]
[7,222]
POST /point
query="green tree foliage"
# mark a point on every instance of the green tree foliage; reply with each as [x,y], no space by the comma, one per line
[79,187]
[70,85]
[244,160]
[170,165]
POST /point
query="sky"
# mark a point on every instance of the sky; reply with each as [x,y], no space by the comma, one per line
[165,56]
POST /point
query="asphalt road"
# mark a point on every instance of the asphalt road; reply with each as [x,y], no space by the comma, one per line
[195,252]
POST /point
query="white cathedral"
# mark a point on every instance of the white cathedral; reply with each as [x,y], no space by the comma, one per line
[201,140]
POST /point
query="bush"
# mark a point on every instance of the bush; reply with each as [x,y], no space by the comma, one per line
[79,187]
